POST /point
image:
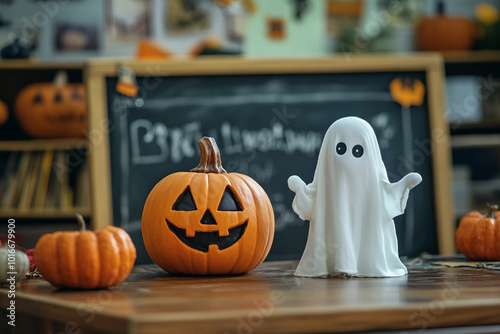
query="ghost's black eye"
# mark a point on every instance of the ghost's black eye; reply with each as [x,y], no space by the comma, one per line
[357,151]
[341,148]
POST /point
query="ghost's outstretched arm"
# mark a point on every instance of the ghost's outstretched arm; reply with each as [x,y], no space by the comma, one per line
[396,194]
[303,202]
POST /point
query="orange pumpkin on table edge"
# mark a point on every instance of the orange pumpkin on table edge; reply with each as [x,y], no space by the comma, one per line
[52,110]
[208,221]
[85,259]
[478,236]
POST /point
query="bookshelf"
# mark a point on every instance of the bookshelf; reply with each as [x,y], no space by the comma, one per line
[41,180]
[476,146]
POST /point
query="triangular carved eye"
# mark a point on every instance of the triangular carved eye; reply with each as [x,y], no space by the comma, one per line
[38,98]
[185,202]
[229,201]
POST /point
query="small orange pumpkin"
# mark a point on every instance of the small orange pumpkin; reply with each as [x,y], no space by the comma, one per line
[208,221]
[52,110]
[445,33]
[478,236]
[85,259]
[4,113]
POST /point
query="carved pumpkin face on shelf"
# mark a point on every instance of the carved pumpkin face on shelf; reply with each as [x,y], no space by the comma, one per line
[207,221]
[52,110]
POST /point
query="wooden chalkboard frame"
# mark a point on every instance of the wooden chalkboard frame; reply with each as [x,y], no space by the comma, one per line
[97,71]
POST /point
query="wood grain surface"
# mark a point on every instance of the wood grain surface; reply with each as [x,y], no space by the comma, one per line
[267,300]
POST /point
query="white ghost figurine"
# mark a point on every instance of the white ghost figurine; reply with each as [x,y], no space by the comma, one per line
[351,205]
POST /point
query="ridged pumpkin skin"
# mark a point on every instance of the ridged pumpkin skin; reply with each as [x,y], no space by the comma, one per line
[48,110]
[478,236]
[85,259]
[207,189]
[445,33]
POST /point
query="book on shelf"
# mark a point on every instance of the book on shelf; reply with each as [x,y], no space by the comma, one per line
[54,183]
[61,167]
[4,162]
[8,177]
[30,181]
[18,177]
[82,186]
[43,180]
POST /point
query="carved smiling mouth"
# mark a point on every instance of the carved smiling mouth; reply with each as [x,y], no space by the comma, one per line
[202,240]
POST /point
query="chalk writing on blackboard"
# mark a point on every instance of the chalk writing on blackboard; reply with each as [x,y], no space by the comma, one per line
[176,144]
[268,127]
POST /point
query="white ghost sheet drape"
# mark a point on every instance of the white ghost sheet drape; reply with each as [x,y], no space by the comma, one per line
[351,205]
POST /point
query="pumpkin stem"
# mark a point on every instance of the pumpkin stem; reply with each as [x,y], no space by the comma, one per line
[210,161]
[491,211]
[61,78]
[81,222]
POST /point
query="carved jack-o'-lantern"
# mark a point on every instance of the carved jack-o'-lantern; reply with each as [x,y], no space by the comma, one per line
[207,221]
[53,110]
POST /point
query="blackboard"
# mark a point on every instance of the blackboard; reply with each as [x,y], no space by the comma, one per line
[268,126]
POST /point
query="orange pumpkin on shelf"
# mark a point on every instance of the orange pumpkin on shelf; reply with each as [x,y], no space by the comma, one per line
[208,221]
[478,236]
[52,110]
[85,259]
[4,113]
[445,33]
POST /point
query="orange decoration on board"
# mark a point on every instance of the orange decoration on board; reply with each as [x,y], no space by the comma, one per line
[276,28]
[4,113]
[478,236]
[407,93]
[208,221]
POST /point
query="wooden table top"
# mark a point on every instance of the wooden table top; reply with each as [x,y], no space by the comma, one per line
[270,300]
